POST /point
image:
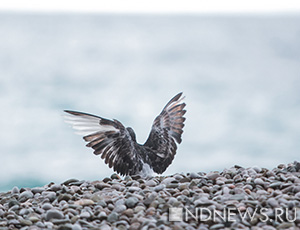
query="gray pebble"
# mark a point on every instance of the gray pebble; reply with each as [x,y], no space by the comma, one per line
[259,181]
[47,206]
[159,187]
[25,196]
[105,227]
[150,183]
[112,217]
[257,169]
[13,202]
[212,175]
[25,222]
[194,175]
[54,214]
[131,202]
[50,195]
[55,187]
[102,215]
[85,215]
[70,181]
[76,227]
[217,226]
[273,202]
[15,190]
[134,189]
[64,196]
[24,211]
[275,185]
[38,190]
[120,208]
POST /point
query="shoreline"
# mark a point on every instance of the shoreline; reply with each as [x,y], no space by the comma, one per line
[237,197]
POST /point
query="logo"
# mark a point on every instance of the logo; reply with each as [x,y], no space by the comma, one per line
[175,214]
[232,214]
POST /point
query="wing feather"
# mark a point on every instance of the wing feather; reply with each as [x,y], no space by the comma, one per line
[109,139]
[166,130]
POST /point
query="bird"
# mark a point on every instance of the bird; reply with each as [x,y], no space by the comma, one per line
[118,147]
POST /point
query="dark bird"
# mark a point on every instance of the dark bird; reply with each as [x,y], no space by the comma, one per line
[118,147]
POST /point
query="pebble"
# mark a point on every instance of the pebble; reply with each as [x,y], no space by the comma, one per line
[85,215]
[47,206]
[150,183]
[275,185]
[112,217]
[194,175]
[15,190]
[70,181]
[273,202]
[212,175]
[84,202]
[102,215]
[13,202]
[120,208]
[25,196]
[133,189]
[38,190]
[144,203]
[54,214]
[55,187]
[259,181]
[159,187]
[50,195]
[131,202]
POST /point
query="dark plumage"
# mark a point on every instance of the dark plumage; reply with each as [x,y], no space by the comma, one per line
[118,147]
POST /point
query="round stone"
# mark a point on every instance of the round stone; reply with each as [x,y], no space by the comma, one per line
[212,175]
[47,206]
[273,202]
[120,208]
[13,202]
[64,196]
[150,183]
[85,215]
[84,202]
[131,202]
[54,214]
[159,187]
[133,189]
[115,176]
[15,190]
[194,175]
[25,196]
[37,190]
[102,215]
[112,217]
[69,181]
[50,195]
[259,181]
[55,187]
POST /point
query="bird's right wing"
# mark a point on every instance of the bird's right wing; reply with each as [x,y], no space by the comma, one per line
[109,139]
[166,129]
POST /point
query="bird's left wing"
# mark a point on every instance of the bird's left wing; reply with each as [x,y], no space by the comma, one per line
[109,139]
[167,129]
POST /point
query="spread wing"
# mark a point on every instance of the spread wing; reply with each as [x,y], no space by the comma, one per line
[166,131]
[109,139]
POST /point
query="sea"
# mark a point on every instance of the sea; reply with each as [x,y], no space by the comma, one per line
[240,75]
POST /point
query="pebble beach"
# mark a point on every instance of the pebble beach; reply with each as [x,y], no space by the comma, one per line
[235,198]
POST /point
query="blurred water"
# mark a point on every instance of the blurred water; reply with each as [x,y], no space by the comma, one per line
[240,75]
